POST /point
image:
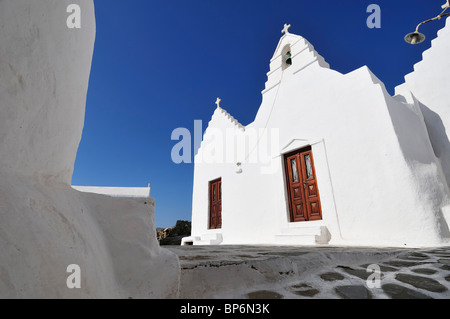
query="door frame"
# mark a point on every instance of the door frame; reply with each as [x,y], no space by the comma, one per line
[301,172]
[210,183]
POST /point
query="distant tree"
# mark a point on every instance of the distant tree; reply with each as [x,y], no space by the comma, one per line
[181,228]
[173,235]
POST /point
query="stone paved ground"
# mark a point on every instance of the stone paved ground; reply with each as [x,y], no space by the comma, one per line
[312,272]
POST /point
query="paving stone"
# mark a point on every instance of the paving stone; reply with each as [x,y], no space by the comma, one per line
[289,253]
[402,263]
[353,292]
[399,292]
[300,286]
[424,271]
[419,255]
[264,294]
[442,255]
[414,256]
[360,273]
[247,256]
[408,273]
[383,268]
[331,276]
[445,267]
[439,251]
[304,290]
[199,257]
[421,282]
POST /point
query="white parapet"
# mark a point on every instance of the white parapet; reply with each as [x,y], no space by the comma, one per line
[139,192]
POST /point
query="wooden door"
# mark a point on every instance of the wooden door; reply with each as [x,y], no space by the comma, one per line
[304,200]
[215,204]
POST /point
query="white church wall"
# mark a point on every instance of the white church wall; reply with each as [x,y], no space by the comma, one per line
[363,149]
[431,189]
[236,215]
[366,151]
[332,117]
[428,84]
[426,88]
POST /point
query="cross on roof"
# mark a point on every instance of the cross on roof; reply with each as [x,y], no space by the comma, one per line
[286,28]
[218,102]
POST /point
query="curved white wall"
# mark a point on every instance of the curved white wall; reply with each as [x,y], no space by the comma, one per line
[45,224]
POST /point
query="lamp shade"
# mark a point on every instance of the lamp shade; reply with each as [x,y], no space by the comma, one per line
[415,37]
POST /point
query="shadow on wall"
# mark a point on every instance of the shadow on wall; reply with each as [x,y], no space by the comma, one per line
[441,147]
[411,132]
[422,142]
[438,135]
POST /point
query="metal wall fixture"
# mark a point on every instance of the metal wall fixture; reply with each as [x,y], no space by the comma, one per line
[416,37]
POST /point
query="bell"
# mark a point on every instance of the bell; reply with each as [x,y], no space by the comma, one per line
[288,58]
[415,38]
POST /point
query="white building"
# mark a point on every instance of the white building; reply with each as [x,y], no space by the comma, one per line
[330,158]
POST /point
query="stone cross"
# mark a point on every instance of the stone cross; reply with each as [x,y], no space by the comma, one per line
[218,102]
[286,28]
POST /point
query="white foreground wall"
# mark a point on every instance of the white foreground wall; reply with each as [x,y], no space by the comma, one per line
[378,179]
[45,224]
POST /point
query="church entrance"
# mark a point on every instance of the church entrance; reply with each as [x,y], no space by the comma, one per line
[215,204]
[304,200]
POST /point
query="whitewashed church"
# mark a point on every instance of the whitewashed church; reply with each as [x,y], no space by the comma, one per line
[330,158]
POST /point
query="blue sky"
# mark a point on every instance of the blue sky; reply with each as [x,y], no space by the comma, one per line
[159,65]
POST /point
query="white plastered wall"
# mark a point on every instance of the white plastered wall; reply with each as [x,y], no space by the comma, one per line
[371,185]
[427,89]
[45,224]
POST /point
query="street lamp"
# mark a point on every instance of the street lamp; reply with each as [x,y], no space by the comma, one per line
[416,37]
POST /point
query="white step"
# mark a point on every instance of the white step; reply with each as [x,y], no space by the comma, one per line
[212,238]
[185,241]
[310,235]
[204,239]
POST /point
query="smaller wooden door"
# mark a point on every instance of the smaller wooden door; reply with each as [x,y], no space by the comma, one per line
[215,204]
[304,200]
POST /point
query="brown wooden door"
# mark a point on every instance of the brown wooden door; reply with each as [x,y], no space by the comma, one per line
[304,200]
[215,204]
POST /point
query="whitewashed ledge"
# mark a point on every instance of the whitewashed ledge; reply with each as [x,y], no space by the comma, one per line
[137,192]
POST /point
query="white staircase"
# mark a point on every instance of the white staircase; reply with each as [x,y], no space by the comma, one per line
[307,235]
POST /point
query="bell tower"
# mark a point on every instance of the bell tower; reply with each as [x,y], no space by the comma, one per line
[293,54]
